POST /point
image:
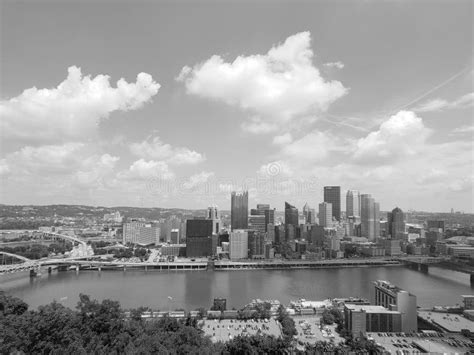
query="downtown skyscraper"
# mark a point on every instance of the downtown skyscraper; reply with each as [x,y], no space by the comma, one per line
[332,195]
[396,223]
[239,210]
[370,217]
[325,214]
[352,203]
[291,215]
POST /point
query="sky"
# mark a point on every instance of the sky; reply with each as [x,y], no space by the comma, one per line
[178,103]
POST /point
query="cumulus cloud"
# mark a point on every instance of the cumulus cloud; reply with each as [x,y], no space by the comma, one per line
[283,139]
[400,136]
[274,88]
[73,109]
[464,129]
[155,149]
[143,170]
[4,168]
[48,159]
[72,164]
[337,65]
[433,175]
[198,179]
[464,101]
[277,168]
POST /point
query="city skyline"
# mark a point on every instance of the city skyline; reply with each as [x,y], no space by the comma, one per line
[344,95]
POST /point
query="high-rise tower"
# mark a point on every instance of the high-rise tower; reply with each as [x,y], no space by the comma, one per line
[239,210]
[332,195]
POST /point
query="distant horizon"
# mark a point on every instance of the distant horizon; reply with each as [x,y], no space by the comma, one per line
[205,208]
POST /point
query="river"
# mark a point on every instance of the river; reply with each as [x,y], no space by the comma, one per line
[193,289]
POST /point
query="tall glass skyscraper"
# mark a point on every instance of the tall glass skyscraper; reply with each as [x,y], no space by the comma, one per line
[369,217]
[239,210]
[396,223]
[352,203]
[291,215]
[332,195]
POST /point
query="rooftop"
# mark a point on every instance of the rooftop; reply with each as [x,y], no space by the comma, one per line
[369,308]
[425,342]
[453,323]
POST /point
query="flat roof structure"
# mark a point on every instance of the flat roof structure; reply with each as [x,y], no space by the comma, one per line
[428,342]
[452,323]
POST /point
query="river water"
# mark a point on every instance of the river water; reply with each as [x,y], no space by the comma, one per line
[193,289]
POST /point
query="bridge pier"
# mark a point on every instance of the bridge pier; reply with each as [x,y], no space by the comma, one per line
[424,268]
[77,269]
[100,268]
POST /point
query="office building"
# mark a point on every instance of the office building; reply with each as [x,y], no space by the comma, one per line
[239,210]
[332,195]
[174,236]
[396,299]
[279,234]
[238,244]
[213,214]
[199,237]
[291,215]
[256,243]
[325,214]
[436,226]
[257,223]
[113,217]
[370,217]
[352,203]
[139,232]
[360,319]
[396,223]
[308,215]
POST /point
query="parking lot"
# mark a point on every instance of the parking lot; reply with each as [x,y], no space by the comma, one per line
[227,329]
[308,330]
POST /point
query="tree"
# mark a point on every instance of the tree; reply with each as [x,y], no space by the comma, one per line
[11,305]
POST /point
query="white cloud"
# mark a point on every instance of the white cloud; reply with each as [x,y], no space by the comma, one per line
[433,175]
[283,139]
[73,109]
[157,150]
[277,168]
[144,170]
[4,168]
[463,184]
[400,136]
[48,159]
[338,65]
[464,101]
[464,129]
[276,87]
[312,147]
[197,179]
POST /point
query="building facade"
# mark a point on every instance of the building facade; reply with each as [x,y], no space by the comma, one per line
[325,214]
[239,210]
[291,215]
[239,244]
[199,237]
[396,299]
[352,203]
[396,223]
[332,195]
